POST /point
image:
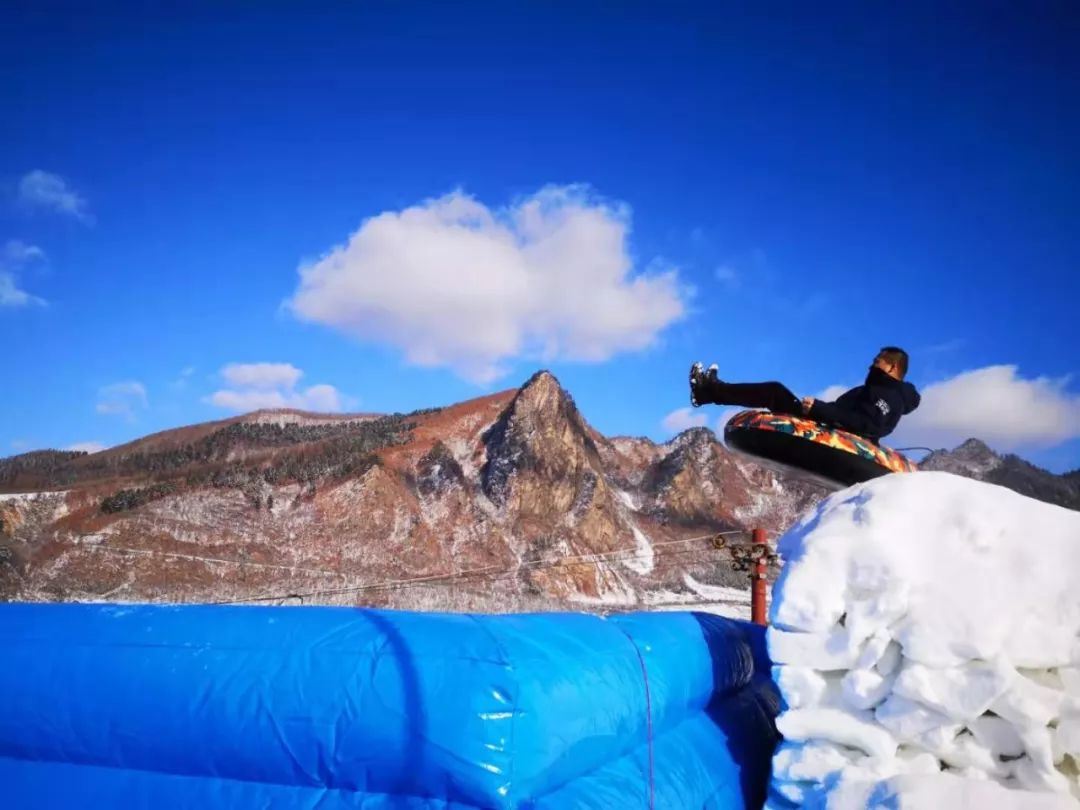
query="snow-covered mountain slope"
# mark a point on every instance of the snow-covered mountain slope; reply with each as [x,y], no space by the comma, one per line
[511,501]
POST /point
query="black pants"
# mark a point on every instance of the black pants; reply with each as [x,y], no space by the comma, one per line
[772,395]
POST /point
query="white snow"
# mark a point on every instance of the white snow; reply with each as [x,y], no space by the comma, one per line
[827,651]
[915,791]
[462,451]
[730,602]
[627,500]
[31,496]
[847,728]
[926,641]
[616,594]
[801,686]
[289,417]
[643,559]
[764,502]
[866,688]
[716,593]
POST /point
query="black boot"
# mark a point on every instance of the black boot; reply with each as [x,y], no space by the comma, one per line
[702,385]
[697,379]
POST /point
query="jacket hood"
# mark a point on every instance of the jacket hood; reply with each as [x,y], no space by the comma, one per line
[906,390]
[911,397]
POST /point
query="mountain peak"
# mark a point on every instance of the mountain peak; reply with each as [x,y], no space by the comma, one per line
[542,383]
[974,447]
[693,437]
[973,458]
[541,431]
[543,405]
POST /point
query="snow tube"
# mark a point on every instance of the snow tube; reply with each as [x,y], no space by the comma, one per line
[830,452]
[224,707]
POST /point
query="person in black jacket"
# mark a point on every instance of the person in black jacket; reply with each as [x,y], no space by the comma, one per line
[871,410]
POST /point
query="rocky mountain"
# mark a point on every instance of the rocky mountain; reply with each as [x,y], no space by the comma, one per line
[510,501]
[507,502]
[973,459]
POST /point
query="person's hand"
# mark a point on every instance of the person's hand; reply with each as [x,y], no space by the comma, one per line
[807,404]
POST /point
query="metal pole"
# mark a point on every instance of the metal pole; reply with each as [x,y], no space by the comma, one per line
[758,583]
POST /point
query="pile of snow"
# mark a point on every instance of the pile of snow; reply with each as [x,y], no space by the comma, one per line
[926,641]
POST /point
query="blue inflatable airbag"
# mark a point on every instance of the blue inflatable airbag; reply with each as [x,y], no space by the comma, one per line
[203,706]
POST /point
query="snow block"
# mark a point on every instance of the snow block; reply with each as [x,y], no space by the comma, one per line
[949,613]
[210,706]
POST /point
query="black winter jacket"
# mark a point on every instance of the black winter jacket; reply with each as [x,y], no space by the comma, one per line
[872,409]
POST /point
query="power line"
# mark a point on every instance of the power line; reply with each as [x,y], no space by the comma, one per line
[217,560]
[491,572]
[616,555]
[511,573]
[448,579]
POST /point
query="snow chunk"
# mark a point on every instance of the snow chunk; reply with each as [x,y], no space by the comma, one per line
[833,650]
[919,792]
[957,554]
[813,762]
[1029,703]
[874,651]
[866,688]
[958,692]
[909,720]
[800,686]
[1070,679]
[915,622]
[851,729]
[1000,736]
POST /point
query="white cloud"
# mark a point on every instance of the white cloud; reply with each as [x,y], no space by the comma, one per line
[181,381]
[256,386]
[19,252]
[12,296]
[812,304]
[122,399]
[683,419]
[752,265]
[14,257]
[944,347]
[724,418]
[726,274]
[455,284]
[315,398]
[87,447]
[44,190]
[997,405]
[262,375]
[831,393]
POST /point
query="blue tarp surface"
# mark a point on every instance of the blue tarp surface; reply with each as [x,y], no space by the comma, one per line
[214,707]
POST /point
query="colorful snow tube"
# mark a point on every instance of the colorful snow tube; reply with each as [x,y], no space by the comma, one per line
[829,452]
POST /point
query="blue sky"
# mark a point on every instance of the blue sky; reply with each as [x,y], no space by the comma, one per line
[479,191]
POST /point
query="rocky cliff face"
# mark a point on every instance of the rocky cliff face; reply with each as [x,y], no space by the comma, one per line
[511,501]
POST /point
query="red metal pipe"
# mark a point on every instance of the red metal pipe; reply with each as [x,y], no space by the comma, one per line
[758,583]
